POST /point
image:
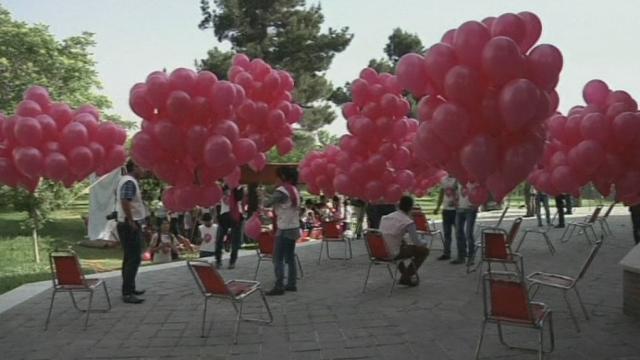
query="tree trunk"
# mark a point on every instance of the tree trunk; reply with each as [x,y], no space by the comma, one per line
[34,234]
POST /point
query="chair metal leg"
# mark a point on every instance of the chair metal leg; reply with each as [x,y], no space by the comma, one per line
[204,316]
[366,279]
[606,225]
[573,316]
[524,235]
[266,305]
[73,301]
[479,270]
[255,275]
[584,309]
[551,334]
[533,290]
[595,236]
[540,342]
[300,266]
[237,327]
[86,320]
[393,284]
[46,323]
[484,324]
[321,248]
[552,248]
[564,233]
[106,293]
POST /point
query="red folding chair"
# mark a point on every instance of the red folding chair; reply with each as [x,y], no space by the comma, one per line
[67,276]
[424,228]
[332,232]
[212,285]
[380,255]
[264,251]
[506,302]
[496,248]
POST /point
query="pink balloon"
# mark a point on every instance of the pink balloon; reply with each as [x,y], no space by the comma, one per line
[478,195]
[451,124]
[115,158]
[511,26]
[204,83]
[56,166]
[40,95]
[74,134]
[27,131]
[217,150]
[463,85]
[405,179]
[502,60]
[244,150]
[469,40]
[518,101]
[392,194]
[595,92]
[106,133]
[140,104]
[28,108]
[158,88]
[183,79]
[544,64]
[411,71]
[594,126]
[62,114]
[533,29]
[228,129]
[253,227]
[285,146]
[48,126]
[28,161]
[259,162]
[563,179]
[179,106]
[81,161]
[439,59]
[480,157]
[448,37]
[374,190]
[233,179]
[401,159]
[8,172]
[98,152]
[168,135]
[625,128]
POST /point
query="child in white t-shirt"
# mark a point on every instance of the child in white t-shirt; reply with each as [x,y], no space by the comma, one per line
[208,231]
[162,243]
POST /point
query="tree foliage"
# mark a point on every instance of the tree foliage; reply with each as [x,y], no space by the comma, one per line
[286,34]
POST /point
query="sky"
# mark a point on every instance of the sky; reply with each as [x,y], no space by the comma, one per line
[597,38]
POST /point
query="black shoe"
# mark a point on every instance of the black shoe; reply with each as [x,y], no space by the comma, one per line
[401,267]
[138,292]
[444,257]
[470,261]
[405,281]
[457,261]
[275,292]
[291,288]
[231,266]
[132,299]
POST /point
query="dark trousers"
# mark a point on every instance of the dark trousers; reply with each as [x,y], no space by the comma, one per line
[560,208]
[226,224]
[542,200]
[375,212]
[465,222]
[567,204]
[417,254]
[635,221]
[448,224]
[131,242]
[284,252]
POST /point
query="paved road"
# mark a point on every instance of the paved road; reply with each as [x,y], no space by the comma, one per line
[329,317]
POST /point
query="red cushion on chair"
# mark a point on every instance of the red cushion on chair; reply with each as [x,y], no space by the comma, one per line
[239,287]
[332,230]
[495,245]
[509,300]
[68,271]
[210,279]
[421,221]
[377,246]
[265,243]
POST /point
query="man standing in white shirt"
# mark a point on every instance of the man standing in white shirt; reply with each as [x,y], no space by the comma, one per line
[448,199]
[395,229]
[131,214]
[465,222]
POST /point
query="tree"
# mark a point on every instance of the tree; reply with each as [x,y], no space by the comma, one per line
[287,35]
[399,43]
[305,142]
[31,55]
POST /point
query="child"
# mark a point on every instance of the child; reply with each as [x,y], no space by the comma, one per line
[162,244]
[208,231]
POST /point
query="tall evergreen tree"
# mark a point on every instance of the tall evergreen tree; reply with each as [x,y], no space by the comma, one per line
[286,34]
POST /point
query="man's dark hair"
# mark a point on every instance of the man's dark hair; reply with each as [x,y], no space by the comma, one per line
[207,217]
[288,174]
[130,166]
[406,203]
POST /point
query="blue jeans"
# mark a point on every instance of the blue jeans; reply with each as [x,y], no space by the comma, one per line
[465,222]
[285,252]
[542,200]
[448,224]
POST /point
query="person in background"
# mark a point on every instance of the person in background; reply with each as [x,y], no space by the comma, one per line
[560,208]
[336,208]
[131,214]
[568,204]
[163,244]
[285,201]
[208,233]
[310,221]
[229,224]
[399,233]
[542,200]
[448,200]
[466,214]
[348,214]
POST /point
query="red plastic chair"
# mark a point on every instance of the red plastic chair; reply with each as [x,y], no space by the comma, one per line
[67,276]
[506,303]
[380,255]
[424,228]
[264,251]
[332,231]
[212,285]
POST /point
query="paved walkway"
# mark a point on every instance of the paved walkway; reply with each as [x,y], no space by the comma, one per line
[329,317]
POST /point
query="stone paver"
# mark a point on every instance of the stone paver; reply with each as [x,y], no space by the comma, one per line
[330,318]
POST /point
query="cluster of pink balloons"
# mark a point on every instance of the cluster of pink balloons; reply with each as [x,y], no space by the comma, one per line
[198,130]
[596,143]
[374,162]
[485,95]
[46,139]
[267,113]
